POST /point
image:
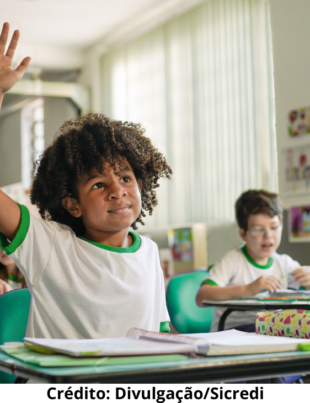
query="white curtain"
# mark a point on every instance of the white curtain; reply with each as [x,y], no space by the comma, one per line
[202,86]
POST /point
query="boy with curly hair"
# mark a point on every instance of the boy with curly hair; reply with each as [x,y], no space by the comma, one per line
[89,276]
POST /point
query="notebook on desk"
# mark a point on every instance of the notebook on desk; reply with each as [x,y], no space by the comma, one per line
[286,293]
[140,342]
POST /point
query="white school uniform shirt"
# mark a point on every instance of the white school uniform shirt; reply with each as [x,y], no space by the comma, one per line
[15,283]
[237,268]
[82,289]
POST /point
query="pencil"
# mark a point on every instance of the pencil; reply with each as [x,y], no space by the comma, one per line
[288,275]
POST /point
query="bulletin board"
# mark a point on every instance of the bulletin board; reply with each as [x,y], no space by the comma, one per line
[294,173]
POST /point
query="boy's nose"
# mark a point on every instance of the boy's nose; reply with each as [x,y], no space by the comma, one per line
[267,232]
[117,191]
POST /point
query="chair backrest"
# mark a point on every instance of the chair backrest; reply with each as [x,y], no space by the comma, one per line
[14,310]
[184,313]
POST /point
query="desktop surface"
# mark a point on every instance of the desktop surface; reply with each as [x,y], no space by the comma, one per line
[205,369]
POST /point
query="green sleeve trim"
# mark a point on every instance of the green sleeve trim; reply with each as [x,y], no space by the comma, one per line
[253,263]
[164,327]
[10,247]
[210,282]
[302,288]
[131,249]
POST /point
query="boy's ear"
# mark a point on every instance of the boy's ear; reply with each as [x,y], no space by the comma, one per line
[242,233]
[71,205]
[139,181]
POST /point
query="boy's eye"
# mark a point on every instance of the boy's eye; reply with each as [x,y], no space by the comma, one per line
[98,185]
[125,179]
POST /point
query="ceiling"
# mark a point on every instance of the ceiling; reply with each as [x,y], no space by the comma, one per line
[62,34]
[80,23]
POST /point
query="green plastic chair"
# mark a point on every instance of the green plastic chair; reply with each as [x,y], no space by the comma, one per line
[184,313]
[14,310]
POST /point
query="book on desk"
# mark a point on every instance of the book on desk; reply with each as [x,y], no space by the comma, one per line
[141,342]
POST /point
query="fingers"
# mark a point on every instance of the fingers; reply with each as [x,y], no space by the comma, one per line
[4,37]
[296,272]
[276,282]
[302,276]
[22,68]
[272,283]
[14,41]
[303,279]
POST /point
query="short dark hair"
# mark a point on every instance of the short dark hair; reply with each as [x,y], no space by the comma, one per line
[257,202]
[89,142]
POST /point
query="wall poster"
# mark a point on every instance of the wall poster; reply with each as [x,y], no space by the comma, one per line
[299,122]
[299,224]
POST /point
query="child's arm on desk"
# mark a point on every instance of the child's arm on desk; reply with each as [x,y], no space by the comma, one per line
[9,210]
[210,292]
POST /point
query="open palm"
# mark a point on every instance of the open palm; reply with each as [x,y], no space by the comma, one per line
[9,77]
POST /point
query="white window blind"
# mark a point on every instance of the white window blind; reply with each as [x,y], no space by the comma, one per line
[202,86]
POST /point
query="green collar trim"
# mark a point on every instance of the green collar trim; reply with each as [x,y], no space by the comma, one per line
[14,279]
[253,263]
[131,249]
[10,247]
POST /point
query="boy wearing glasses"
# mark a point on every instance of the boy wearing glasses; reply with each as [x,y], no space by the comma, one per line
[255,266]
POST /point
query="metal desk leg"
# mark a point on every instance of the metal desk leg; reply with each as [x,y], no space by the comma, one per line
[223,318]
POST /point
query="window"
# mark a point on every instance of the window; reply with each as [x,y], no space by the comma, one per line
[202,86]
[32,137]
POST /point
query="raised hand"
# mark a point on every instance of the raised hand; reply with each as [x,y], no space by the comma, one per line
[9,77]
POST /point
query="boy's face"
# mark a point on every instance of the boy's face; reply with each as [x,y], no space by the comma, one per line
[262,237]
[107,202]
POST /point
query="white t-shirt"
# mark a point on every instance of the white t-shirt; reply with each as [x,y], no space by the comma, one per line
[82,289]
[15,283]
[237,268]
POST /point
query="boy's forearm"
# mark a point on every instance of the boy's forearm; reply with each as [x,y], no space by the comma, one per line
[221,293]
[9,216]
[1,98]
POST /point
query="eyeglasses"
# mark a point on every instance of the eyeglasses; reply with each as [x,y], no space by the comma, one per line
[258,232]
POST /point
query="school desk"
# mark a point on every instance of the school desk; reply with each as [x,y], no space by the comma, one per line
[253,305]
[206,369]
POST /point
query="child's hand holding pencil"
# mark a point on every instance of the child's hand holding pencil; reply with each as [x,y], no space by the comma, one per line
[301,276]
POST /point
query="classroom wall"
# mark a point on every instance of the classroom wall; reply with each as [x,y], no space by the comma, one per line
[298,251]
[290,32]
[56,111]
[291,57]
[221,239]
[10,149]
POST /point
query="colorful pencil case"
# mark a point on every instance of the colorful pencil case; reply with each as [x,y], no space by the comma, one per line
[287,323]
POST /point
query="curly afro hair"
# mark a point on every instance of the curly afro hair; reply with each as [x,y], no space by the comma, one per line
[86,143]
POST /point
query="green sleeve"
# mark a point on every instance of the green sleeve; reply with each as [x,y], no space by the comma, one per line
[210,282]
[10,247]
[164,327]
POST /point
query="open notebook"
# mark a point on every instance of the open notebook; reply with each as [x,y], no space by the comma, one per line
[142,342]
